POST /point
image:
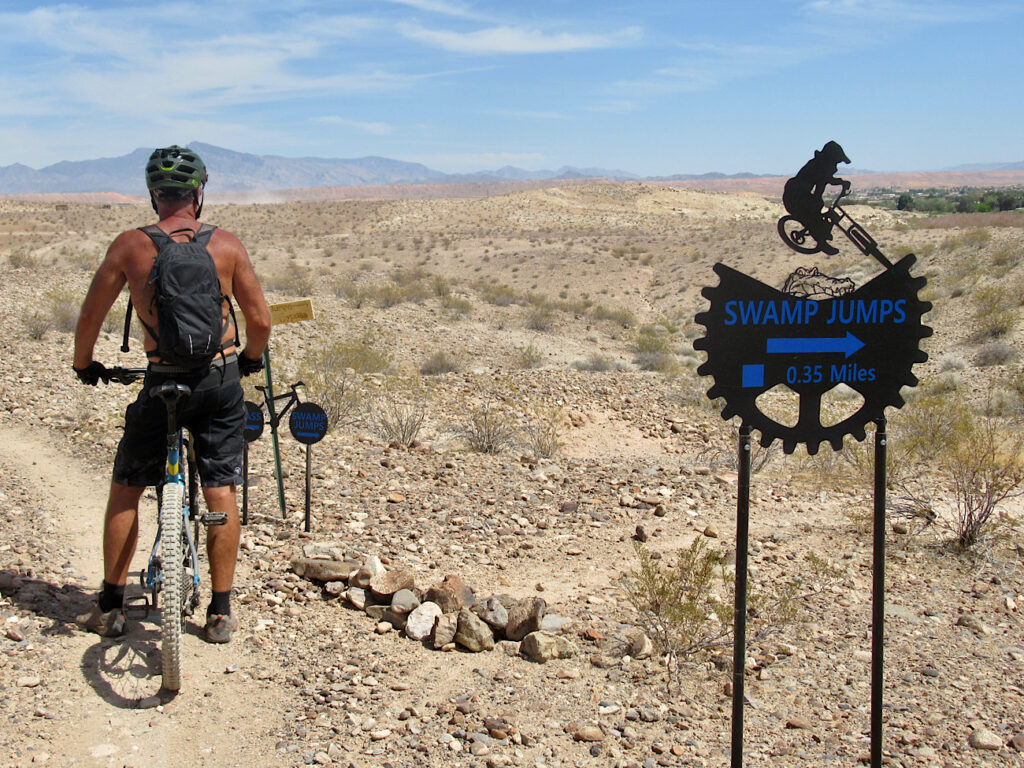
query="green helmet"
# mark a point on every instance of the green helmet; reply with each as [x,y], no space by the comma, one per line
[175,168]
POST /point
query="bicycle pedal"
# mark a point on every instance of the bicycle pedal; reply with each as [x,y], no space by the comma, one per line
[213,518]
[136,608]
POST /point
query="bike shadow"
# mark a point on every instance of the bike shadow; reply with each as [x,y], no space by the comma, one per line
[125,672]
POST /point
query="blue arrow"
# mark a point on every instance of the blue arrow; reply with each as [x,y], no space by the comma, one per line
[847,345]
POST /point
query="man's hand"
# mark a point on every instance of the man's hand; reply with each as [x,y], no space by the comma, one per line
[247,365]
[91,374]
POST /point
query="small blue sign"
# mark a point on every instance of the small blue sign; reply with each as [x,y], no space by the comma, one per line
[753,376]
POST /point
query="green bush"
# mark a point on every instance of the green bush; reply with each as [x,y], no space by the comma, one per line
[995,310]
[528,356]
[488,428]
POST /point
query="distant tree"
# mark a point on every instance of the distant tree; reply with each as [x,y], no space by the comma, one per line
[905,202]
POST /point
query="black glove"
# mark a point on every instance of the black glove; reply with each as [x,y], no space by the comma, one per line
[247,365]
[91,374]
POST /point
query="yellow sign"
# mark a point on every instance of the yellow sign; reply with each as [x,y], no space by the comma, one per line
[291,312]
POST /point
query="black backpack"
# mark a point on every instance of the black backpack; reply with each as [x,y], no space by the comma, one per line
[187,299]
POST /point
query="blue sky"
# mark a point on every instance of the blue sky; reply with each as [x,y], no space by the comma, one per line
[650,87]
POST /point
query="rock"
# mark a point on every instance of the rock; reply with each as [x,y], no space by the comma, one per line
[1017,742]
[798,723]
[711,531]
[323,552]
[508,647]
[589,733]
[494,612]
[420,622]
[452,594]
[971,622]
[542,647]
[317,569]
[336,588]
[525,617]
[358,597]
[555,624]
[388,583]
[472,632]
[640,534]
[362,577]
[985,739]
[404,601]
[641,647]
[445,628]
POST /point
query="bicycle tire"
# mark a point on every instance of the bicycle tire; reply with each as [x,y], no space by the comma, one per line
[797,239]
[172,557]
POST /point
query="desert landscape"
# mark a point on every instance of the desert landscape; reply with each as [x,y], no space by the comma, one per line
[516,410]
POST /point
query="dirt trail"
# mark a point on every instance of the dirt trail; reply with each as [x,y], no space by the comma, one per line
[98,702]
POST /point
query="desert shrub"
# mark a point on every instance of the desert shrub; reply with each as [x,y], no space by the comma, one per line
[457,307]
[527,357]
[440,362]
[441,286]
[63,305]
[488,428]
[540,318]
[22,259]
[985,465]
[295,280]
[597,363]
[654,352]
[677,605]
[398,416]
[37,324]
[542,433]
[995,353]
[498,294]
[994,312]
[332,374]
[617,315]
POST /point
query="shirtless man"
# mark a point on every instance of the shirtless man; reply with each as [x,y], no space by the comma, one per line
[175,177]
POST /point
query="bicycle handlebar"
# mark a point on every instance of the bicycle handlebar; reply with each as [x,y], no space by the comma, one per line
[119,375]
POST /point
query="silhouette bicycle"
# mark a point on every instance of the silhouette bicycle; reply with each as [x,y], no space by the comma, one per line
[797,235]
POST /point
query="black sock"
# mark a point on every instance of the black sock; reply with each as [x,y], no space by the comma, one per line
[111,596]
[220,604]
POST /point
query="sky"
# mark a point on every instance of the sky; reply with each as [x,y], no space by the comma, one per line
[651,87]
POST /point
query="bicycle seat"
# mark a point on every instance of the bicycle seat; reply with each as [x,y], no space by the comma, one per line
[171,391]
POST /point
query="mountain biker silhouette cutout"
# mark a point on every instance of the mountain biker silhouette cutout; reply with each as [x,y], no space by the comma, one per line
[802,195]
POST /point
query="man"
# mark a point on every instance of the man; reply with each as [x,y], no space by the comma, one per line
[803,193]
[175,177]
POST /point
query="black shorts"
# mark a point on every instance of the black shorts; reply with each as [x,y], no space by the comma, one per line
[214,415]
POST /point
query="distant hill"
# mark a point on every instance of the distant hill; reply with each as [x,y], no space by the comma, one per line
[249,176]
[241,172]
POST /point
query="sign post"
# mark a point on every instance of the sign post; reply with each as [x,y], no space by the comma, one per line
[308,425]
[814,335]
[286,312]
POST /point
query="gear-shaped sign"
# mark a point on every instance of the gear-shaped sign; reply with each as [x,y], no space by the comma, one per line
[759,338]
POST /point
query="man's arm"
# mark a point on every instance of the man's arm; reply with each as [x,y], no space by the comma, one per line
[106,286]
[249,295]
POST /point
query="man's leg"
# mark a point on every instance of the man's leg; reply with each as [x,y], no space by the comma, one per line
[120,534]
[222,551]
[120,531]
[222,540]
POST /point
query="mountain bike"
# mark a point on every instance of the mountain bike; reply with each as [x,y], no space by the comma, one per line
[171,575]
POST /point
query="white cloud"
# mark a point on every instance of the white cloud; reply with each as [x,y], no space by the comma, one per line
[439,7]
[896,11]
[371,128]
[517,40]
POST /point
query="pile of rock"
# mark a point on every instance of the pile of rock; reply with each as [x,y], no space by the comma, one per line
[444,616]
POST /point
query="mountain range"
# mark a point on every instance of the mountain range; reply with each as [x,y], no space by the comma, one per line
[241,172]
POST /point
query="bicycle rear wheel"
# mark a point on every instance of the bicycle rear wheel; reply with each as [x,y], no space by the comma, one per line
[172,556]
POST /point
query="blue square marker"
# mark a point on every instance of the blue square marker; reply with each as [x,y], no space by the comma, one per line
[753,375]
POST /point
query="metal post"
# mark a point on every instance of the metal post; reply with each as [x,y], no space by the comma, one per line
[245,482]
[273,429]
[309,467]
[878,596]
[739,648]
